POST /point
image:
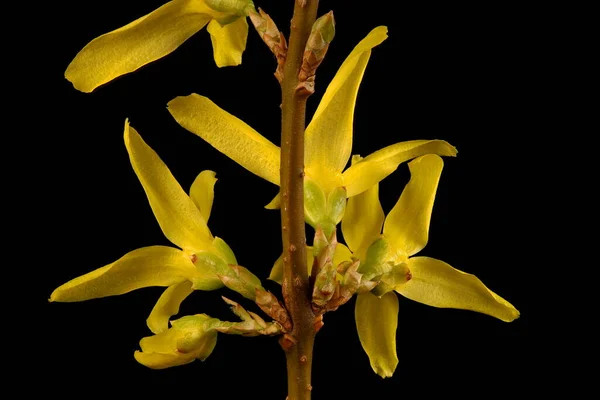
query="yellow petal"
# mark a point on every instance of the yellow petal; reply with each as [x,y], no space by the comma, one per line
[146,39]
[376,166]
[167,306]
[276,274]
[163,360]
[202,192]
[437,284]
[342,253]
[274,204]
[148,266]
[165,342]
[407,225]
[329,134]
[376,321]
[228,134]
[229,41]
[160,351]
[180,220]
[363,219]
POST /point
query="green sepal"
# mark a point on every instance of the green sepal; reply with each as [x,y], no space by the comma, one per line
[398,275]
[376,263]
[336,205]
[315,203]
[212,262]
[243,281]
[195,333]
[224,250]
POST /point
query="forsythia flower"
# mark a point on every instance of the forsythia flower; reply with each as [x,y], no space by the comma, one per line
[328,141]
[388,258]
[190,338]
[157,34]
[183,221]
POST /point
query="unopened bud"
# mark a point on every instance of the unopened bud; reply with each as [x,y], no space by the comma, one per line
[273,38]
[325,285]
[321,35]
[191,337]
[320,241]
[237,309]
[324,252]
[251,325]
[273,308]
[242,281]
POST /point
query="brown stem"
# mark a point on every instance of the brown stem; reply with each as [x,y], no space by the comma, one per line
[299,343]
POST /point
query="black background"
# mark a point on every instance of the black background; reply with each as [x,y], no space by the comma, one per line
[461,73]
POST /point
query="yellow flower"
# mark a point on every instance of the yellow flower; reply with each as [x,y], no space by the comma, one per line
[328,140]
[190,338]
[388,257]
[157,34]
[194,265]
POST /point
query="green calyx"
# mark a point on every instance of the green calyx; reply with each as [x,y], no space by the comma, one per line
[322,209]
[379,266]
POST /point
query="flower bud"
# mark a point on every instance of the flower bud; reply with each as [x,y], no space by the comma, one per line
[190,338]
[242,281]
[273,38]
[251,325]
[321,35]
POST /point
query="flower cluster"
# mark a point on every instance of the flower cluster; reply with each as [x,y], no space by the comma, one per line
[379,258]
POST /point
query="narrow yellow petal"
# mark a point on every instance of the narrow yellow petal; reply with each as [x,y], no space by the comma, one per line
[147,266]
[202,192]
[437,284]
[164,342]
[144,40]
[407,225]
[180,220]
[342,253]
[376,166]
[276,274]
[329,134]
[376,322]
[228,134]
[229,41]
[163,360]
[274,204]
[167,306]
[363,219]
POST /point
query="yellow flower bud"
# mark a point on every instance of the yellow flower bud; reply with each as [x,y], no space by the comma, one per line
[190,338]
